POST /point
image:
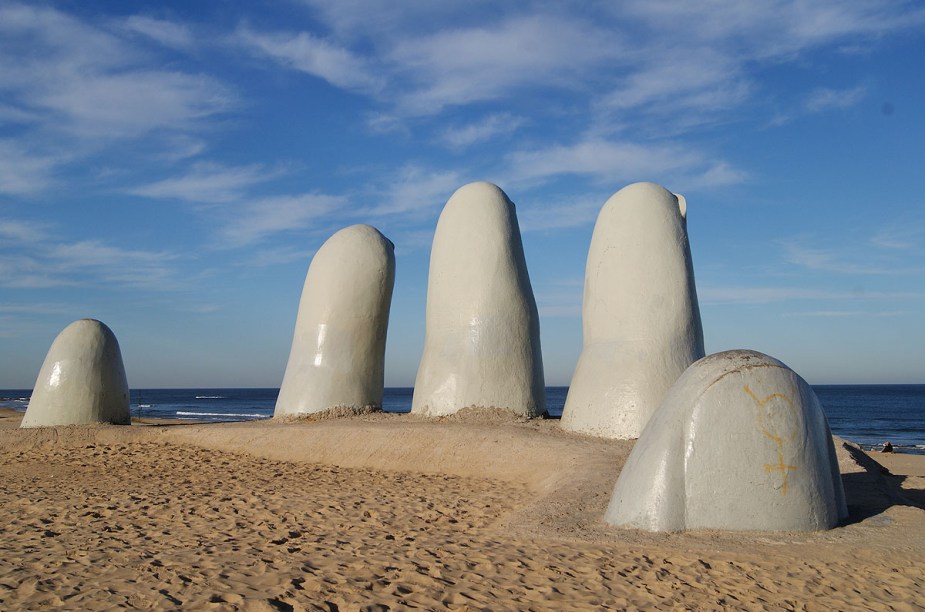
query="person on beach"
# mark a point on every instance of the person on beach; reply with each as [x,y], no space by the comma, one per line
[887,448]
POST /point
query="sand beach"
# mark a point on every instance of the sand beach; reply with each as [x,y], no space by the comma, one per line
[385,511]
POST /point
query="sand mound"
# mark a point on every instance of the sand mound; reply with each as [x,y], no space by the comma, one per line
[337,412]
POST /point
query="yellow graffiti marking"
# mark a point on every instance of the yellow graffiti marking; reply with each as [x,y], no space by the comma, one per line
[780,466]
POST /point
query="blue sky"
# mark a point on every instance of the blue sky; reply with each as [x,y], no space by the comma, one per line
[170,168]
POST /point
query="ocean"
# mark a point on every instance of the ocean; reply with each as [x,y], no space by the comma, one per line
[866,414]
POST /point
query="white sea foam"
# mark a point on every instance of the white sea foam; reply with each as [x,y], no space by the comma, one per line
[221,414]
[210,397]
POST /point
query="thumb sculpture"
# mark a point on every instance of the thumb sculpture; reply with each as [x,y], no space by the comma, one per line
[740,442]
[482,343]
[337,358]
[640,318]
[82,380]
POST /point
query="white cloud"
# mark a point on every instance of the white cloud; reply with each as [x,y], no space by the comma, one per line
[167,33]
[638,66]
[182,146]
[33,308]
[410,240]
[717,174]
[679,77]
[262,258]
[823,99]
[308,53]
[560,298]
[492,126]
[778,28]
[80,79]
[837,262]
[21,172]
[386,19]
[688,75]
[255,221]
[416,190]
[132,104]
[134,268]
[539,216]
[92,253]
[49,264]
[14,232]
[223,193]
[209,183]
[19,271]
[907,237]
[597,157]
[763,295]
[838,314]
[461,66]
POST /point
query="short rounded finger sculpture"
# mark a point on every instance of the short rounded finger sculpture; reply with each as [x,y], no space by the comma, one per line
[82,380]
[739,443]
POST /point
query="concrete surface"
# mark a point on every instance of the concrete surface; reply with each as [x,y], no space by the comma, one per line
[337,358]
[82,380]
[740,443]
[640,317]
[482,344]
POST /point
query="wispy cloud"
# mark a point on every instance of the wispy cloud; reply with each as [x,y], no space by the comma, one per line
[129,105]
[458,66]
[256,220]
[23,173]
[307,53]
[208,183]
[560,298]
[839,314]
[763,295]
[93,253]
[686,83]
[641,56]
[839,261]
[599,158]
[823,99]
[13,231]
[167,33]
[416,190]
[83,81]
[492,126]
[909,236]
[20,271]
[547,215]
[56,264]
[262,258]
[33,308]
[226,194]
[621,161]
[130,267]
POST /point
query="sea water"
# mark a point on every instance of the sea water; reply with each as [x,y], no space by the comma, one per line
[866,414]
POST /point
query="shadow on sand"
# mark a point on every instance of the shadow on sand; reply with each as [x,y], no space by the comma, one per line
[874,490]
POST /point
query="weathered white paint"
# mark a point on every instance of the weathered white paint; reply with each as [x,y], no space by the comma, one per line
[337,358]
[740,442]
[640,318]
[482,344]
[82,380]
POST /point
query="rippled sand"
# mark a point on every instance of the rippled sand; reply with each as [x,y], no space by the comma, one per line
[391,512]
